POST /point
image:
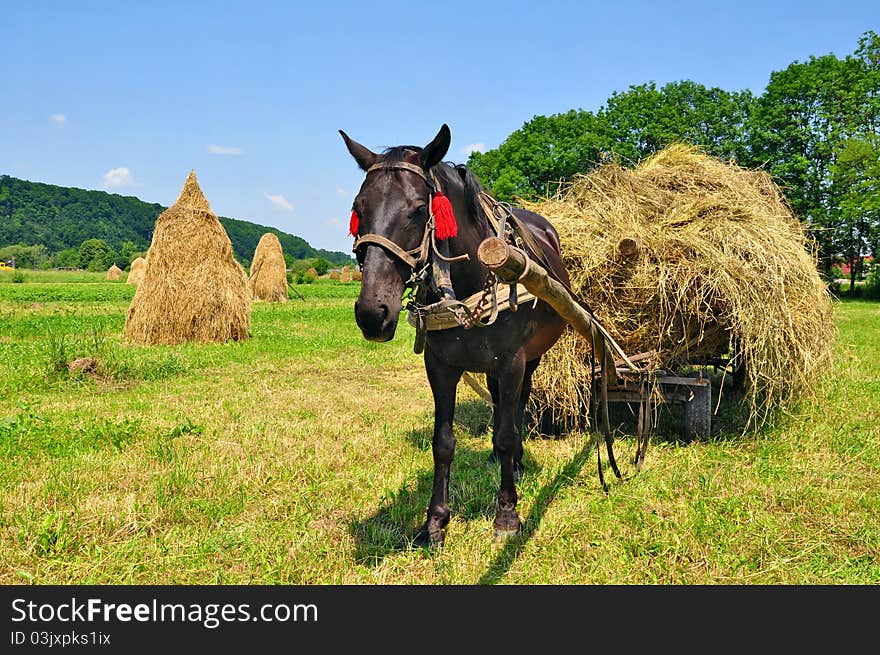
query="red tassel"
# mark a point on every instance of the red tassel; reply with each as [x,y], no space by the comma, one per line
[353,224]
[444,220]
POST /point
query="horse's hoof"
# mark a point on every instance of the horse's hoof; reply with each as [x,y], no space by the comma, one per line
[505,534]
[507,525]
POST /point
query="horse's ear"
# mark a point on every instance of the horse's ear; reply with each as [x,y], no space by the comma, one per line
[435,151]
[362,155]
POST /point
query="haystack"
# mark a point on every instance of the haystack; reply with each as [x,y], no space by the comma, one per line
[345,276]
[695,261]
[334,275]
[114,273]
[313,272]
[268,280]
[356,275]
[136,271]
[193,289]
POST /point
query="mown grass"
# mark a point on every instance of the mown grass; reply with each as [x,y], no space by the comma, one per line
[303,456]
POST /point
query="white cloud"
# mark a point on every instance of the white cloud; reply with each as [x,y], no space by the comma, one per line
[333,222]
[225,150]
[279,201]
[59,119]
[473,147]
[342,193]
[118,178]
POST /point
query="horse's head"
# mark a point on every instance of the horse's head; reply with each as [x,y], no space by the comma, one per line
[390,213]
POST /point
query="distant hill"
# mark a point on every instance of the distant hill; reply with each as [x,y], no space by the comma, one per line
[63,217]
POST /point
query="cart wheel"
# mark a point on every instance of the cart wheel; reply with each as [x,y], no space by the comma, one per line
[698,413]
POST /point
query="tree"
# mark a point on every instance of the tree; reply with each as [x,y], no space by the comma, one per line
[95,255]
[806,112]
[545,151]
[644,120]
[632,125]
[67,258]
[25,256]
[856,178]
[322,265]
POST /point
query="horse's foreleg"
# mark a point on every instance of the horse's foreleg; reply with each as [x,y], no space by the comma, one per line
[443,380]
[507,442]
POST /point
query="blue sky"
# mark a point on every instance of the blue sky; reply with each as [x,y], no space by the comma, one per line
[128,97]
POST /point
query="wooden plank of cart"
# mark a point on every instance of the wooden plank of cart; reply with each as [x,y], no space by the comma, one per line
[693,393]
[632,383]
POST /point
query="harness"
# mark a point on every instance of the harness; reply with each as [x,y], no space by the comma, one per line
[430,268]
[430,272]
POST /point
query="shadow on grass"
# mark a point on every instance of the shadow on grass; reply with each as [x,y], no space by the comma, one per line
[513,547]
[473,488]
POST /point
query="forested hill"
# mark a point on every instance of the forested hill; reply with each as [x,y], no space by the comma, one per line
[59,217]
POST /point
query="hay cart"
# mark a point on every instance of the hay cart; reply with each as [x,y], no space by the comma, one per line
[630,383]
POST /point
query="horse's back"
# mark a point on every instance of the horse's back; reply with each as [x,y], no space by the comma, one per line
[547,239]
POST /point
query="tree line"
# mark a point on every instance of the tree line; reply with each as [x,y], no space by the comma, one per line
[46,226]
[815,129]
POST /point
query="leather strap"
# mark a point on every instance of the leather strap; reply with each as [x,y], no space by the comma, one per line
[388,244]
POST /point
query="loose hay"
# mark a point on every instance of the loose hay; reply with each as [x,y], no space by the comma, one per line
[695,259]
[114,273]
[268,280]
[136,271]
[193,289]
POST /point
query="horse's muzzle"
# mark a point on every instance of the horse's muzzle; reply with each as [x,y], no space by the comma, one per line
[377,322]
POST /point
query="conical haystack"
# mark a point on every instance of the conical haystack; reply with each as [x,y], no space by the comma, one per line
[193,289]
[694,260]
[114,273]
[268,279]
[136,272]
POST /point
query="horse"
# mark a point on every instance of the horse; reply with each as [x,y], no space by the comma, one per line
[418,222]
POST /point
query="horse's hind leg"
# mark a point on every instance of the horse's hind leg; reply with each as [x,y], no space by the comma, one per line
[507,441]
[443,380]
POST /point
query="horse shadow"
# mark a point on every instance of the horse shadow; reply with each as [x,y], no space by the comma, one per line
[473,488]
[474,483]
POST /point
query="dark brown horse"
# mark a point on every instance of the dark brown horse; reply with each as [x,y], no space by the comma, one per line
[398,247]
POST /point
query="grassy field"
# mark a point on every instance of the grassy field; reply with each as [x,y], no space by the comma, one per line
[303,456]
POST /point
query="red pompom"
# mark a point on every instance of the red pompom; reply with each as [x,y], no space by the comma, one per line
[444,220]
[353,224]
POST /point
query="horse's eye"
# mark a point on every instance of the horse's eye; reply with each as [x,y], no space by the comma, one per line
[418,213]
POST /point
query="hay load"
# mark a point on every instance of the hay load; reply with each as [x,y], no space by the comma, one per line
[687,260]
[193,289]
[136,271]
[114,273]
[268,280]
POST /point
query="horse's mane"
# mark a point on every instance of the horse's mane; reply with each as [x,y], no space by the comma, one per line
[449,174]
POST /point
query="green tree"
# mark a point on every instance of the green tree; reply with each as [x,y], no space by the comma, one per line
[806,112]
[25,256]
[645,119]
[95,255]
[322,265]
[633,124]
[67,258]
[856,176]
[128,251]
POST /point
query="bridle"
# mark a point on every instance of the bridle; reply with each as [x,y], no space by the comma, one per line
[418,259]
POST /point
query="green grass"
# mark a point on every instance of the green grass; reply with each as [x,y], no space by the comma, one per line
[303,456]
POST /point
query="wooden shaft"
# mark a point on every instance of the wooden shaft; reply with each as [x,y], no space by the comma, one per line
[511,264]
